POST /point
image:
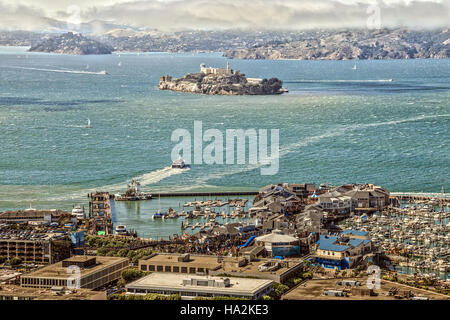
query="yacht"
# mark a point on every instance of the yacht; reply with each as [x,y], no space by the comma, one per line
[121,229]
[179,164]
[78,211]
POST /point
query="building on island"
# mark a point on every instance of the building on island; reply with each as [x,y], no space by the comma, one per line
[224,71]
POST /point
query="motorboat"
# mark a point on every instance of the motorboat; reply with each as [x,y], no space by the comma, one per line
[179,164]
[78,211]
[121,229]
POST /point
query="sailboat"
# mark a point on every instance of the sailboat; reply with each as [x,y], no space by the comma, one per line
[89,123]
[354,67]
[119,64]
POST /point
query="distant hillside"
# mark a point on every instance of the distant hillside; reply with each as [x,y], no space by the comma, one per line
[359,44]
[70,43]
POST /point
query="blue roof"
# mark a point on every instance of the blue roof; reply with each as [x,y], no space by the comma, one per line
[356,232]
[328,243]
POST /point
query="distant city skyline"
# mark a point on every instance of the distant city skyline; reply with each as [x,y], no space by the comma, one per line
[51,15]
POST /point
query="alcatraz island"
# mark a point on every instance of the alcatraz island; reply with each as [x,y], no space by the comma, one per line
[221,81]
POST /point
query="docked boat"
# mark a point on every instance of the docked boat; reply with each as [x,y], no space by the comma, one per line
[121,229]
[78,211]
[179,164]
[158,215]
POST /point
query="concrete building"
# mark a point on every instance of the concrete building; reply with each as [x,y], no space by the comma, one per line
[10,292]
[209,70]
[342,251]
[94,273]
[247,265]
[191,286]
[27,215]
[39,248]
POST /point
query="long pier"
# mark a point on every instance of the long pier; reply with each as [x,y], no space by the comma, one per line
[423,197]
[204,194]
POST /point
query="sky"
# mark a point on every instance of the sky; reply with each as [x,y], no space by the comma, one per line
[44,15]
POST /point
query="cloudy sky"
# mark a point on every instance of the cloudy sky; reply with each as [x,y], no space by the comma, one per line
[222,14]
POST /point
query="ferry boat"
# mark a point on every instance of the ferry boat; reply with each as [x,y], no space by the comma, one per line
[179,164]
[78,211]
[121,229]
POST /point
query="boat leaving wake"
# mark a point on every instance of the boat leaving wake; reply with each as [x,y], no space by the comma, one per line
[158,175]
[103,72]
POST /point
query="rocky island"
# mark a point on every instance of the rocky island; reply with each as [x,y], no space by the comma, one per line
[70,43]
[221,81]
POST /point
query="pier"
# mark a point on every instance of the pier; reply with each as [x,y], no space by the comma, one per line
[438,198]
[204,194]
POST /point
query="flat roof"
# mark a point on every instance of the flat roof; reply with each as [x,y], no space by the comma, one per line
[229,264]
[48,294]
[58,271]
[199,261]
[174,281]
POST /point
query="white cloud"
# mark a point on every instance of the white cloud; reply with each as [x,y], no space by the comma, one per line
[212,14]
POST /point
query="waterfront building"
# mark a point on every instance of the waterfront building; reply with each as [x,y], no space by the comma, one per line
[100,213]
[95,272]
[39,248]
[344,250]
[354,198]
[191,286]
[31,215]
[279,244]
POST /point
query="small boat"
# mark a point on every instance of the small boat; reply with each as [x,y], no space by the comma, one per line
[121,229]
[88,123]
[354,67]
[158,215]
[103,72]
[179,164]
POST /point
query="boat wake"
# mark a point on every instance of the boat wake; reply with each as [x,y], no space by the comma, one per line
[158,175]
[331,133]
[58,70]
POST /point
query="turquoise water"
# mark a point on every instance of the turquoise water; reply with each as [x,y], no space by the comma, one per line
[336,125]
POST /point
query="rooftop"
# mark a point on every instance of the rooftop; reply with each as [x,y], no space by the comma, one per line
[175,281]
[58,271]
[48,294]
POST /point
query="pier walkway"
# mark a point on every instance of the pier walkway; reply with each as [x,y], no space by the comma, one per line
[204,194]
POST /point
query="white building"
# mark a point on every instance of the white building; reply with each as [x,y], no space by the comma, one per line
[191,286]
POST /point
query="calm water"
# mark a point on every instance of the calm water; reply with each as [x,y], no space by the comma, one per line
[336,125]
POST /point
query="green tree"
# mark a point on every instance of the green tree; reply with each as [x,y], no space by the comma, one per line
[15,261]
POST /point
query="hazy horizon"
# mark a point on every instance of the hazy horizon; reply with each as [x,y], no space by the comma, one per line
[170,15]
